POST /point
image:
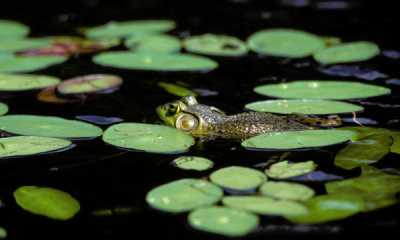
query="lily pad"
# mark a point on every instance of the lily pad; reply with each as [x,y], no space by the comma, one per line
[314,89]
[285,43]
[12,29]
[238,178]
[193,163]
[217,45]
[13,63]
[285,169]
[124,29]
[287,191]
[153,43]
[176,90]
[265,205]
[298,139]
[48,126]
[155,62]
[22,82]
[148,137]
[49,202]
[223,220]
[3,108]
[13,45]
[19,146]
[347,52]
[89,84]
[183,195]
[304,106]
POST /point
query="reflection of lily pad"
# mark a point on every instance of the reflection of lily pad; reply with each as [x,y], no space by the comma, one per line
[347,52]
[148,137]
[304,106]
[28,145]
[21,82]
[285,169]
[156,62]
[3,108]
[223,220]
[12,29]
[13,63]
[94,83]
[153,43]
[48,126]
[193,163]
[183,195]
[286,190]
[13,45]
[219,45]
[50,202]
[314,89]
[285,42]
[176,90]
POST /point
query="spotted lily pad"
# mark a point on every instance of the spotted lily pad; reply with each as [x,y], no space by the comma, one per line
[22,82]
[148,137]
[212,44]
[183,195]
[176,90]
[223,220]
[155,62]
[12,29]
[49,202]
[285,169]
[286,190]
[48,126]
[153,43]
[304,106]
[347,52]
[13,45]
[3,108]
[13,63]
[19,146]
[285,43]
[314,89]
[88,84]
[193,163]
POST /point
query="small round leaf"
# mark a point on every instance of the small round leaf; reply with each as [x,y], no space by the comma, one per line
[285,169]
[286,190]
[193,163]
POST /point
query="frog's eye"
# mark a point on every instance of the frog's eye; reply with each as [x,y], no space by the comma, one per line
[186,122]
[173,108]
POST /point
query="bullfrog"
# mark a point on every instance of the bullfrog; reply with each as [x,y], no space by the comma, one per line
[208,122]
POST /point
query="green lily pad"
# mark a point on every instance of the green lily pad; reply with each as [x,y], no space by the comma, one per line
[22,82]
[364,151]
[193,163]
[285,43]
[285,169]
[12,29]
[298,139]
[13,45]
[287,191]
[155,62]
[314,89]
[176,90]
[238,178]
[49,202]
[3,233]
[12,63]
[124,29]
[48,126]
[304,106]
[217,45]
[94,83]
[347,52]
[153,43]
[265,205]
[19,146]
[183,195]
[3,108]
[148,137]
[222,220]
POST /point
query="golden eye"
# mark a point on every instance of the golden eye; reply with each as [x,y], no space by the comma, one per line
[186,122]
[172,109]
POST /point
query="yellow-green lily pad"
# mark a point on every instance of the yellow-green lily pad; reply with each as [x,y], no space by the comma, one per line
[285,169]
[153,43]
[13,29]
[10,63]
[3,108]
[193,163]
[93,83]
[176,90]
[21,44]
[22,82]
[286,190]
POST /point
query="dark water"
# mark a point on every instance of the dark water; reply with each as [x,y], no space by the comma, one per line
[102,177]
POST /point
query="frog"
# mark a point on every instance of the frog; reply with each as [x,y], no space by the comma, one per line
[208,122]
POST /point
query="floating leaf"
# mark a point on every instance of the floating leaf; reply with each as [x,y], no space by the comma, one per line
[153,43]
[13,45]
[12,63]
[49,95]
[286,190]
[155,62]
[12,29]
[218,45]
[193,163]
[238,178]
[364,151]
[124,29]
[19,146]
[148,137]
[90,84]
[3,108]
[265,205]
[347,52]
[298,139]
[3,231]
[48,126]
[285,43]
[223,220]
[285,169]
[304,106]
[312,89]
[49,202]
[176,90]
[184,195]
[22,82]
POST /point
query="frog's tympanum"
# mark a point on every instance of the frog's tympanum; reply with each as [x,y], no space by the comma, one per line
[208,122]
